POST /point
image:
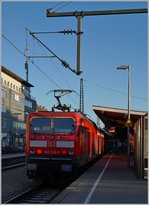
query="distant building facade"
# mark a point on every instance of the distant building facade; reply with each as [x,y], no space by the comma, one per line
[41,108]
[17,102]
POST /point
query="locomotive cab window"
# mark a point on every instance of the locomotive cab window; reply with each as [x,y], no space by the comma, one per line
[63,125]
[41,125]
[52,125]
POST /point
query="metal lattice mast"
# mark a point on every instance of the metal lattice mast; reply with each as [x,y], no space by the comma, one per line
[81,96]
[26,55]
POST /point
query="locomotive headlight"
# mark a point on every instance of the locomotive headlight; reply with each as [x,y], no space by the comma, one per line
[39,151]
[32,151]
[64,152]
[70,152]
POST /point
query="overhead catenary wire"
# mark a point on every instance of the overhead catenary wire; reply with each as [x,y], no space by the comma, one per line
[51,61]
[55,6]
[112,90]
[64,63]
[62,6]
[68,84]
[44,73]
[31,62]
[85,80]
[45,53]
[59,5]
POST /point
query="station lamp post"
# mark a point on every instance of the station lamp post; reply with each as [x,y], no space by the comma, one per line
[128,122]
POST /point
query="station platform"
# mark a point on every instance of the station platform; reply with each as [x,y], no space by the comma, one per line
[13,155]
[108,181]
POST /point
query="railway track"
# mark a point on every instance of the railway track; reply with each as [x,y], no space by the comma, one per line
[10,162]
[38,195]
[7,167]
[47,189]
[43,193]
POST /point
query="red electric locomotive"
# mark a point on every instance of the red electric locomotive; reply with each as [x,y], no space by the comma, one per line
[61,141]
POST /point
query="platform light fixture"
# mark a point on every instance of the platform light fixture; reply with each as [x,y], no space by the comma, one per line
[127,67]
[128,122]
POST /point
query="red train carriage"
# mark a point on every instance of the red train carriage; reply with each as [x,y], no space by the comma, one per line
[108,140]
[60,141]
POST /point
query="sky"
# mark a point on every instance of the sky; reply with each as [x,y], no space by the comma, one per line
[107,42]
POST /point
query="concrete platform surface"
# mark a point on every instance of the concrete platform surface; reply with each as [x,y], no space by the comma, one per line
[109,181]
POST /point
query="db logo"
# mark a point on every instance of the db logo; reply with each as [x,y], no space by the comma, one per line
[51,143]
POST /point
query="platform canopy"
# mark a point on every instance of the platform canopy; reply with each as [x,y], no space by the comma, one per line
[114,117]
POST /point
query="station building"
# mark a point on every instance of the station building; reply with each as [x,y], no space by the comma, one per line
[16,102]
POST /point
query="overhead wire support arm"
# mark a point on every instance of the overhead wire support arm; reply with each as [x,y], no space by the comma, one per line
[41,56]
[64,63]
[53,32]
[79,15]
[93,13]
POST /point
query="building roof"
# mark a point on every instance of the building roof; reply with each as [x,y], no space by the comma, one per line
[116,117]
[16,77]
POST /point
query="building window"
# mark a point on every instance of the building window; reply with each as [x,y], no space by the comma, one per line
[4,108]
[14,87]
[12,96]
[14,124]
[4,93]
[19,125]
[26,103]
[17,98]
[22,100]
[4,123]
[26,91]
[10,85]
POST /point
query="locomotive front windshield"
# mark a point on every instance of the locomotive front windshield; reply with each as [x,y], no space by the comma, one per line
[52,125]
